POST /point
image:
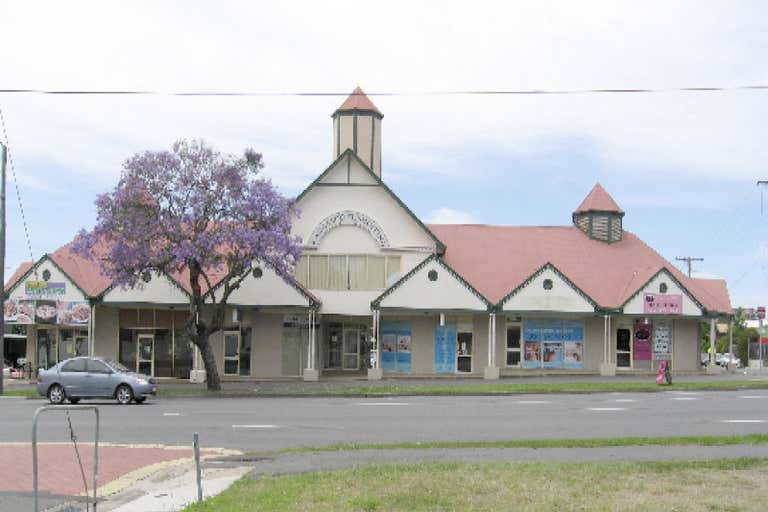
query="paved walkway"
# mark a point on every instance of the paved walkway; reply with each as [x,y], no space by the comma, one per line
[120,466]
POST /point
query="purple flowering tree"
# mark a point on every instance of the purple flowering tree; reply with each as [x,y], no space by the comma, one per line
[201,216]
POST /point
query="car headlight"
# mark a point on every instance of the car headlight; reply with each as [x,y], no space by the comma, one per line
[143,382]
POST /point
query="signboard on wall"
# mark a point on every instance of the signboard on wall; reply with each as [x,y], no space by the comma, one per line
[46,312]
[662,304]
[662,340]
[642,339]
[44,289]
[396,346]
[553,343]
[445,349]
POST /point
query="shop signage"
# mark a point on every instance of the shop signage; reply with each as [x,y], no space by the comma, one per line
[44,289]
[46,312]
[396,346]
[662,304]
[642,341]
[662,340]
[445,349]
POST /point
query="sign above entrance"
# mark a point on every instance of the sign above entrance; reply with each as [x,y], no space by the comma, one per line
[662,304]
[44,289]
[348,218]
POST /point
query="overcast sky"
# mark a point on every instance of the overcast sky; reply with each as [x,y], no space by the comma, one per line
[683,166]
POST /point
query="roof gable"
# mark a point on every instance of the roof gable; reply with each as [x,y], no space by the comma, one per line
[598,200]
[635,304]
[264,287]
[71,291]
[160,289]
[358,101]
[548,290]
[417,290]
[347,171]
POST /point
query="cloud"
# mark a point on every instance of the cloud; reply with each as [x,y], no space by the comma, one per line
[450,216]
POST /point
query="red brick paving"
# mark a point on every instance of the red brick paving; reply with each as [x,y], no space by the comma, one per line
[59,472]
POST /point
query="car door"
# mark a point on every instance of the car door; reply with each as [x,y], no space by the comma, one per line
[73,377]
[100,378]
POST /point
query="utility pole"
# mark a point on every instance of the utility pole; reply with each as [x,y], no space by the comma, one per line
[3,159]
[689,260]
[761,184]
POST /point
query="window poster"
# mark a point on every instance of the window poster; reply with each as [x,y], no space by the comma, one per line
[553,343]
[46,312]
[396,346]
[641,340]
[445,349]
[662,340]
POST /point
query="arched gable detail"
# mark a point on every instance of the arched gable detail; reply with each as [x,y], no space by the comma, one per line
[348,218]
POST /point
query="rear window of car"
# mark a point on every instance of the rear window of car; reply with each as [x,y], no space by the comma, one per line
[75,365]
[97,366]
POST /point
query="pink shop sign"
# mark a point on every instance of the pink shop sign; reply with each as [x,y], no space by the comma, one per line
[662,304]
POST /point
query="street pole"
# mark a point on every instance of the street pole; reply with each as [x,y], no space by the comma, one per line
[3,159]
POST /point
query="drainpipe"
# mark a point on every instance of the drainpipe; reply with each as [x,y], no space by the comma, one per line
[712,342]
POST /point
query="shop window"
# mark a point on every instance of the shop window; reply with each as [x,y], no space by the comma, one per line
[127,349]
[464,352]
[231,353]
[347,271]
[513,345]
[182,354]
[245,351]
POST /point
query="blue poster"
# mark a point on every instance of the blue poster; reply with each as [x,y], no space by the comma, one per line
[445,349]
[553,343]
[396,346]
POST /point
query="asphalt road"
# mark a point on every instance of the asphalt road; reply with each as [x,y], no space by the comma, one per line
[273,423]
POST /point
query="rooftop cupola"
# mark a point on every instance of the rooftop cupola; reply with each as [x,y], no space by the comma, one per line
[599,217]
[357,126]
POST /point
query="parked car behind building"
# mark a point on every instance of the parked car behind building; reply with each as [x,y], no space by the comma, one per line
[94,377]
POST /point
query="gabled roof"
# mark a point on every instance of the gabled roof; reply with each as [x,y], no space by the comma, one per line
[498,259]
[20,272]
[358,101]
[348,153]
[598,200]
[549,266]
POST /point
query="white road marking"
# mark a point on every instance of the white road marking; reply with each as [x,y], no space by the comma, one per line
[255,426]
[683,398]
[381,403]
[171,414]
[607,409]
[623,400]
[743,421]
[534,402]
[754,396]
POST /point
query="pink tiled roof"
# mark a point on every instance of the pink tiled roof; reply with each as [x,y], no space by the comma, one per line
[358,101]
[498,259]
[598,200]
[20,271]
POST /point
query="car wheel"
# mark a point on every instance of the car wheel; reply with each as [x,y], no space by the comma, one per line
[73,400]
[140,400]
[124,394]
[56,394]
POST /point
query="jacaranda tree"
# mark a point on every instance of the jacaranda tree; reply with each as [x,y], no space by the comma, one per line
[199,215]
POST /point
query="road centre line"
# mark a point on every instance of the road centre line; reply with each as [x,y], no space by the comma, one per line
[380,403]
[599,409]
[530,402]
[171,414]
[255,426]
[683,398]
[743,421]
[625,400]
[754,396]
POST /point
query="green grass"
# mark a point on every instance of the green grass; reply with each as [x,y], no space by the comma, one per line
[723,485]
[752,439]
[20,392]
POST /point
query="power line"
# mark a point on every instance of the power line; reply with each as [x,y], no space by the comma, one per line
[490,92]
[689,260]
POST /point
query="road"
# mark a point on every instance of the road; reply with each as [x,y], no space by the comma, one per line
[274,423]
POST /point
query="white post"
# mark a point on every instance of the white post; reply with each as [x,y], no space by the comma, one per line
[310,372]
[730,339]
[607,368]
[376,372]
[491,371]
[712,336]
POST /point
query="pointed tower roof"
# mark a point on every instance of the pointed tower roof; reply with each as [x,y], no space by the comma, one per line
[358,101]
[598,200]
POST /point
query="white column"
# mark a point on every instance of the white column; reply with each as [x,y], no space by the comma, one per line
[712,337]
[376,373]
[730,339]
[310,372]
[491,371]
[607,368]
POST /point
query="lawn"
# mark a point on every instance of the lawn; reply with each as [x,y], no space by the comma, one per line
[726,485]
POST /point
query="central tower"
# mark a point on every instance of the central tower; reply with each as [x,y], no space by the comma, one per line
[357,126]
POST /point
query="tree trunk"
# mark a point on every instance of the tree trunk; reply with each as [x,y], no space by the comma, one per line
[211,372]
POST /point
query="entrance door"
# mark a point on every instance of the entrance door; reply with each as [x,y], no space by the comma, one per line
[232,353]
[46,348]
[351,359]
[623,348]
[146,357]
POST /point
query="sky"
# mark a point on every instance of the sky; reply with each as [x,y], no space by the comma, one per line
[683,165]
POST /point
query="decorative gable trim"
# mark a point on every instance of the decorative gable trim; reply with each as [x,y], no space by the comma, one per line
[348,218]
[674,279]
[158,273]
[376,303]
[351,154]
[532,277]
[33,270]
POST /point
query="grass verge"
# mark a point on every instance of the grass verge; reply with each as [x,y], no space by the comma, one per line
[722,485]
[541,443]
[20,392]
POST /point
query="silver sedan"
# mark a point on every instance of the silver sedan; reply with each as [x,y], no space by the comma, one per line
[94,377]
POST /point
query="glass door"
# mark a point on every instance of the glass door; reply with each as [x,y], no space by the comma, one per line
[47,349]
[335,334]
[623,348]
[232,353]
[146,361]
[351,360]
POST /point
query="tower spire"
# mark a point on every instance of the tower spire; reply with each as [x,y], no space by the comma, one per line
[357,126]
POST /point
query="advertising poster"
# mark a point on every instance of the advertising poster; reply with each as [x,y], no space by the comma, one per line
[73,313]
[396,346]
[445,349]
[573,356]
[45,312]
[44,290]
[19,311]
[553,343]
[642,341]
[662,340]
[532,344]
[552,354]
[662,304]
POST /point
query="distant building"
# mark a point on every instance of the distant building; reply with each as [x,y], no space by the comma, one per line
[380,292]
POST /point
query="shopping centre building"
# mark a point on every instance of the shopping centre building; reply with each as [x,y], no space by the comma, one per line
[379,292]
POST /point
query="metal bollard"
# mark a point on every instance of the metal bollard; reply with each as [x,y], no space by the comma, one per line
[196,447]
